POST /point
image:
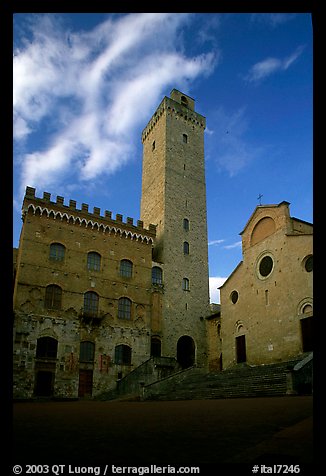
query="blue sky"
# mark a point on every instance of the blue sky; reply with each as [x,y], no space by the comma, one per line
[85,86]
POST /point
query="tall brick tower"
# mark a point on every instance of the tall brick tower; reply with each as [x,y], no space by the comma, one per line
[174,198]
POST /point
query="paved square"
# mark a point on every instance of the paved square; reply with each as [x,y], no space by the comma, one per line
[250,430]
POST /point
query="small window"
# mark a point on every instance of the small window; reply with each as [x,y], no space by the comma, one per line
[234,296]
[126,268]
[186,248]
[46,348]
[185,138]
[153,145]
[186,224]
[156,275]
[124,308]
[57,252]
[53,296]
[185,284]
[184,101]
[122,355]
[308,264]
[87,350]
[93,261]
[91,300]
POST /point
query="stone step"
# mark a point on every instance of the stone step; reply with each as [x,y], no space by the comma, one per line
[242,381]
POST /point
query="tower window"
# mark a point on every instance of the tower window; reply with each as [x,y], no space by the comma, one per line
[186,248]
[185,138]
[186,224]
[185,284]
[184,101]
[153,145]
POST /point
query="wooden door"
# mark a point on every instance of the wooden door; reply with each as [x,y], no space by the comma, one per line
[85,383]
[241,349]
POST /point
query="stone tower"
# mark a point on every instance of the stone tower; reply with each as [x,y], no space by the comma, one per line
[174,199]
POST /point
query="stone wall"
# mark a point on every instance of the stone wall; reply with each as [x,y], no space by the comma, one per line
[45,223]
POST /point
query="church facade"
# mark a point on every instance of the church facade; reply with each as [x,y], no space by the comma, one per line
[267,301]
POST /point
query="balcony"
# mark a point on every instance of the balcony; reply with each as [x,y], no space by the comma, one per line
[91,316]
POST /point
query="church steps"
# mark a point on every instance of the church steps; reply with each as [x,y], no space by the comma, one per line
[241,381]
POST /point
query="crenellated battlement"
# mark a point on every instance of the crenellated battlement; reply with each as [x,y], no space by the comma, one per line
[83,217]
[179,109]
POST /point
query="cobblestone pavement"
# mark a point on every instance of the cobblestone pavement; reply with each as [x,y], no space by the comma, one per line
[250,430]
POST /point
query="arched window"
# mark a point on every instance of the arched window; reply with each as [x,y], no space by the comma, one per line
[156,275]
[124,308]
[53,296]
[186,224]
[185,138]
[91,304]
[46,348]
[87,351]
[185,248]
[93,261]
[185,284]
[126,268]
[57,252]
[122,355]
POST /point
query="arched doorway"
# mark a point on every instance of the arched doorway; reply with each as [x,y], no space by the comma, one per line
[241,349]
[186,351]
[45,366]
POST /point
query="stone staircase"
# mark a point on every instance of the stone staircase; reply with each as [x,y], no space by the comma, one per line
[240,381]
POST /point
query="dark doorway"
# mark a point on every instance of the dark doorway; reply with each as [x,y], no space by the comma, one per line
[85,383]
[306,334]
[241,349]
[44,383]
[186,352]
[155,347]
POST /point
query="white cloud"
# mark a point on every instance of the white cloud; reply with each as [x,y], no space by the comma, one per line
[80,96]
[215,242]
[214,283]
[268,66]
[237,244]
